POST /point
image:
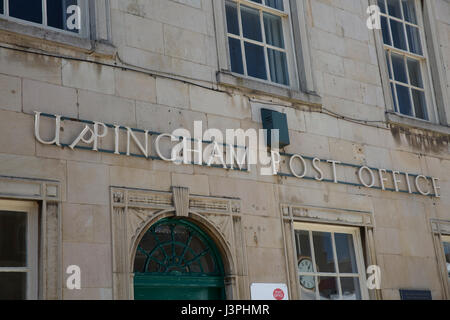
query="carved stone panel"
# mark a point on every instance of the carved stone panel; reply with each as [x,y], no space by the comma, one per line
[134,211]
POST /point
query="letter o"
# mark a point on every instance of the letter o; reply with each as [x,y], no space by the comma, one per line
[372,177]
[304,166]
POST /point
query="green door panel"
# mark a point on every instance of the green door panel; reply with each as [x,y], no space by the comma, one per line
[177,292]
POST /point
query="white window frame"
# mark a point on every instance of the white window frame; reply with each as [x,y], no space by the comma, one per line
[85,25]
[431,108]
[31,209]
[287,38]
[354,231]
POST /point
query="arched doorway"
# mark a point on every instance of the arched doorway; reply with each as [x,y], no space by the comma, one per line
[176,260]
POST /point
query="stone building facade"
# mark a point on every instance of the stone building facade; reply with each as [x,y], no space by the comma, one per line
[369,109]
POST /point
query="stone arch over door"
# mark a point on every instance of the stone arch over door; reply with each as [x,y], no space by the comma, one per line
[135,211]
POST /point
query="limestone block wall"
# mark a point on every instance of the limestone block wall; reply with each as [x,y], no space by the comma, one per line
[170,53]
[443,26]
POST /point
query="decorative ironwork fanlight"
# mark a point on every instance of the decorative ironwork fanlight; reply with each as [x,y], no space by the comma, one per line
[177,247]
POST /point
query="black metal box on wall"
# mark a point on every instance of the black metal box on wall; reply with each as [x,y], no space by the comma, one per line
[415,294]
[275,120]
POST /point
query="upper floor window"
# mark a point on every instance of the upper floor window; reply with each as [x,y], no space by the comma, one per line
[257,38]
[406,57]
[62,15]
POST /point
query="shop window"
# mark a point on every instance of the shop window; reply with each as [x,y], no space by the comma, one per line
[257,39]
[62,15]
[405,49]
[18,250]
[330,262]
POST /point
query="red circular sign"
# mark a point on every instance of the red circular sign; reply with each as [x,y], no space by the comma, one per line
[278,294]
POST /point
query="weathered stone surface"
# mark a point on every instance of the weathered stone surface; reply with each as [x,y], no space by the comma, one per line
[94,261]
[10,93]
[16,133]
[134,85]
[118,110]
[87,183]
[31,66]
[49,98]
[172,93]
[88,76]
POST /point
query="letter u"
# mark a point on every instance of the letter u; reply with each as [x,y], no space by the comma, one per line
[37,121]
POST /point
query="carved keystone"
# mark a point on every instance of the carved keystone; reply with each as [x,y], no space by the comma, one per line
[181,201]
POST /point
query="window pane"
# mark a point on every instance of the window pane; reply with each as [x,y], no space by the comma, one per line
[394,8]
[420,105]
[139,262]
[57,13]
[404,100]
[409,11]
[236,55]
[257,1]
[232,18]
[302,244]
[256,65]
[385,31]
[350,289]
[274,30]
[447,256]
[398,64]
[323,251]
[345,253]
[13,235]
[278,66]
[1,7]
[388,64]
[305,265]
[30,10]
[277,4]
[414,40]
[382,6]
[13,285]
[415,76]
[393,97]
[447,251]
[328,288]
[398,34]
[251,24]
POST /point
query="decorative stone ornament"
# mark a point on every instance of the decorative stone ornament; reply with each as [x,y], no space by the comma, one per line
[181,201]
[135,211]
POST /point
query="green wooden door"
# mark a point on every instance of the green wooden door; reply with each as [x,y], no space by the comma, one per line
[176,260]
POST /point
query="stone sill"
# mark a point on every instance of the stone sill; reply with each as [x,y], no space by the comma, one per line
[20,31]
[255,86]
[397,119]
